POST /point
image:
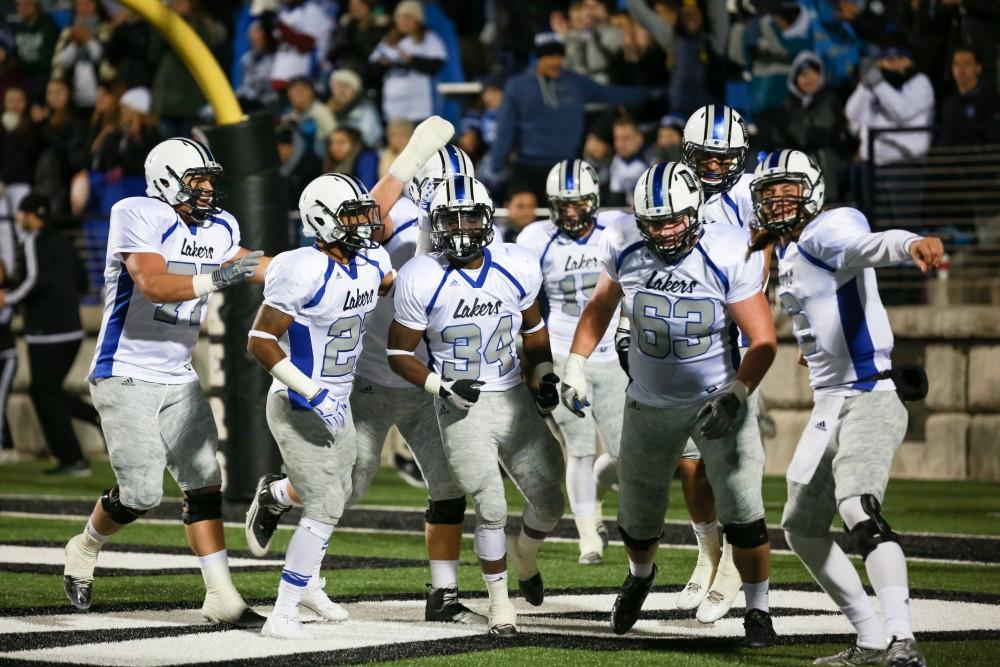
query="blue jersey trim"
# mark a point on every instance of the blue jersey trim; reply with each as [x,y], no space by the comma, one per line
[856,334]
[318,296]
[406,225]
[224,224]
[167,234]
[736,209]
[116,325]
[541,260]
[483,271]
[430,304]
[816,261]
[718,274]
[351,268]
[378,267]
[301,353]
[626,252]
[512,279]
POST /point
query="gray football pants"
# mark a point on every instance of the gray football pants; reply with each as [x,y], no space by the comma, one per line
[606,384]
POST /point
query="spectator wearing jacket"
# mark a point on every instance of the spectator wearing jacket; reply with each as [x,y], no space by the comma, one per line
[970,113]
[352,108]
[302,31]
[79,53]
[35,37]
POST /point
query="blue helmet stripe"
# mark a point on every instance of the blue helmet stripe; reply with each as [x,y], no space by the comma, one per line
[569,174]
[658,184]
[773,161]
[456,166]
[459,189]
[719,118]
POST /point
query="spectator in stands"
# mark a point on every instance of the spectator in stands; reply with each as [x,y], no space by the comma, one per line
[177,99]
[79,53]
[49,297]
[470,138]
[811,119]
[397,134]
[770,44]
[597,152]
[105,119]
[410,56]
[255,90]
[669,137]
[18,148]
[359,33]
[62,137]
[628,163]
[521,205]
[10,73]
[126,50]
[641,61]
[541,120]
[35,37]
[970,114]
[352,108]
[347,154]
[312,118]
[299,162]
[893,94]
[592,43]
[837,43]
[123,152]
[694,48]
[302,31]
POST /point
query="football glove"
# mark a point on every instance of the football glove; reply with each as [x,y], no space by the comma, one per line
[547,396]
[463,394]
[330,410]
[238,271]
[719,417]
[623,338]
[574,385]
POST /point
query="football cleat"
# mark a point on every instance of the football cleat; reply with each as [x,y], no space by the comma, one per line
[502,615]
[628,604]
[78,590]
[531,588]
[263,517]
[282,626]
[443,607]
[854,655]
[759,630]
[725,587]
[904,652]
[591,544]
[226,607]
[697,587]
[78,573]
[317,601]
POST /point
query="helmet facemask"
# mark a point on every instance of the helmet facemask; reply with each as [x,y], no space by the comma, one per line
[783,213]
[685,230]
[712,182]
[574,216]
[462,232]
[354,225]
[202,204]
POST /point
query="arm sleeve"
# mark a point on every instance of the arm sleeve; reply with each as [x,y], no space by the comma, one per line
[747,278]
[131,231]
[409,311]
[661,31]
[916,97]
[31,272]
[285,285]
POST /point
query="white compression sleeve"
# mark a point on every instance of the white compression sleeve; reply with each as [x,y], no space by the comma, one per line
[286,372]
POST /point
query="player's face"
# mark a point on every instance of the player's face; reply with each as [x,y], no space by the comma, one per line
[781,200]
[712,167]
[667,232]
[203,185]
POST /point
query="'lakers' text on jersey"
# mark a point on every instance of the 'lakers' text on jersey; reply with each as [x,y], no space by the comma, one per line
[837,314]
[330,303]
[471,317]
[684,343]
[153,341]
[570,269]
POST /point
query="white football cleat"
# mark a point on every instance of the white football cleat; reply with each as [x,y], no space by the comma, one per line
[78,573]
[228,608]
[282,626]
[591,544]
[725,587]
[709,555]
[316,600]
[502,615]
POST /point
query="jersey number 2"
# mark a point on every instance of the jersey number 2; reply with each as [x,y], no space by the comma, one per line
[167,312]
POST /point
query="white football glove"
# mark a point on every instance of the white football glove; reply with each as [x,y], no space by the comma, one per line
[574,385]
[330,410]
[428,137]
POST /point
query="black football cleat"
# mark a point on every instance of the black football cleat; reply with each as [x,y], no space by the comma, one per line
[628,604]
[532,589]
[443,607]
[78,590]
[759,630]
[904,652]
[263,517]
[248,620]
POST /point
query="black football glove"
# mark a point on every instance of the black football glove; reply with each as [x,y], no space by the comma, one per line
[547,396]
[463,394]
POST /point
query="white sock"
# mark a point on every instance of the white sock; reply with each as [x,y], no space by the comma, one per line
[864,618]
[708,530]
[279,489]
[527,549]
[93,540]
[895,601]
[756,595]
[444,574]
[640,570]
[215,572]
[305,551]
[605,473]
[580,485]
[492,578]
[316,581]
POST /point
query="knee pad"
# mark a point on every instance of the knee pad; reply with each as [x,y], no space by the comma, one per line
[638,545]
[450,511]
[867,535]
[119,513]
[490,543]
[201,507]
[746,535]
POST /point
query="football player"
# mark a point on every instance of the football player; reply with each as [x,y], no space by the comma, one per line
[827,284]
[566,247]
[308,335]
[468,302]
[167,253]
[686,287]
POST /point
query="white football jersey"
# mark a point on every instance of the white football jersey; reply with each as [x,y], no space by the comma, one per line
[373,364]
[837,314]
[684,343]
[330,303]
[570,269]
[470,318]
[153,341]
[734,207]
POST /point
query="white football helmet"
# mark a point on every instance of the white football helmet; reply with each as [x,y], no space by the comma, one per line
[667,196]
[447,162]
[461,213]
[574,196]
[716,131]
[337,208]
[170,162]
[781,213]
